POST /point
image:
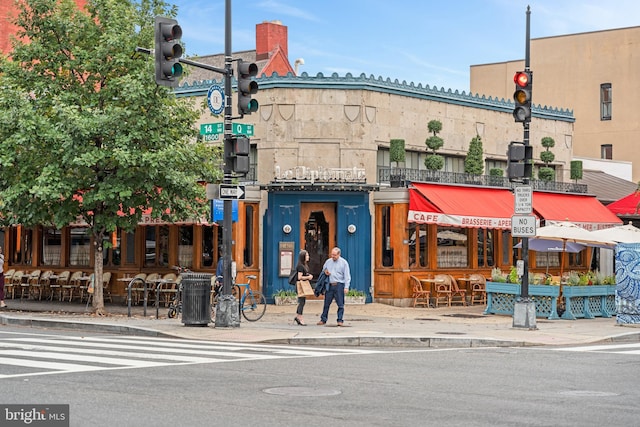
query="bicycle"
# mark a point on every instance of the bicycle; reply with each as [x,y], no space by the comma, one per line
[252,304]
[175,306]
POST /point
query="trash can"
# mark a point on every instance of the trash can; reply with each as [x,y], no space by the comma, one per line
[196,304]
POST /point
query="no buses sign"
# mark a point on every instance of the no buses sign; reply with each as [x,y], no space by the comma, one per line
[523,226]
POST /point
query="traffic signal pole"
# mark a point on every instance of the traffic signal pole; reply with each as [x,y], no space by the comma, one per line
[524,312]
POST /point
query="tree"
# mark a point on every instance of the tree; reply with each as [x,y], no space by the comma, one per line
[547,173]
[474,163]
[434,161]
[86,134]
[397,151]
[576,169]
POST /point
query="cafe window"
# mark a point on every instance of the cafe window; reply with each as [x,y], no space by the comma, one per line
[387,251]
[21,245]
[486,247]
[156,251]
[249,243]
[185,246]
[51,246]
[79,247]
[131,247]
[452,247]
[418,245]
[111,250]
[509,254]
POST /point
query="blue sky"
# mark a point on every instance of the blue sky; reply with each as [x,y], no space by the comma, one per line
[432,42]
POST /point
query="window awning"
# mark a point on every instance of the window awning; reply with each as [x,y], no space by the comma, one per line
[584,211]
[459,206]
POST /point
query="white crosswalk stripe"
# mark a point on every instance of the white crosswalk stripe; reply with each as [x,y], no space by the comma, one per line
[45,355]
[632,349]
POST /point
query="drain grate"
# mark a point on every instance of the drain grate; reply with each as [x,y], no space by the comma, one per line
[427,318]
[451,333]
[464,316]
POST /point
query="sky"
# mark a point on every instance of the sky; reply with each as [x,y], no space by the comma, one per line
[432,42]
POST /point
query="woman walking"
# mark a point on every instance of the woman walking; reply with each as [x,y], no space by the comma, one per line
[303,274]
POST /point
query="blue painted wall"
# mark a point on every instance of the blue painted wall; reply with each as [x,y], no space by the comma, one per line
[284,208]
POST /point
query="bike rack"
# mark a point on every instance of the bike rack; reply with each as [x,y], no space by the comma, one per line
[145,299]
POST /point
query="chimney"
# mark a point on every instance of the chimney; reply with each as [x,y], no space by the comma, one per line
[270,35]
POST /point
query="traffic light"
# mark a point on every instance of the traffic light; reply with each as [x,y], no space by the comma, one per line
[522,96]
[247,87]
[168,51]
[519,161]
[240,148]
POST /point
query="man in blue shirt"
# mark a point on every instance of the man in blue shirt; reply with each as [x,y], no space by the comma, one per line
[337,269]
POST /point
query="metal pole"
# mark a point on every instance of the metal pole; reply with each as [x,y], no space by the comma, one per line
[227,311]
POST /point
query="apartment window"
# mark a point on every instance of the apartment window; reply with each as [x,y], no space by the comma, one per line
[605,101]
[606,151]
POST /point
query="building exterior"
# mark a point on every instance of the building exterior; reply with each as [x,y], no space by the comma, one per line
[592,74]
[321,178]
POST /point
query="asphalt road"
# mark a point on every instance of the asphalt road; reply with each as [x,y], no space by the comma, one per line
[140,381]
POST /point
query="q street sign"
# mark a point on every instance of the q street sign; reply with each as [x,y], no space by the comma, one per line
[230,191]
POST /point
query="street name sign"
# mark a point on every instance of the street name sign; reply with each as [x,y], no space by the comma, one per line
[212,128]
[242,129]
[523,226]
[523,197]
[231,192]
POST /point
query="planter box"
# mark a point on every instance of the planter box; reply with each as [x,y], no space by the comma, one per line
[501,299]
[286,300]
[354,300]
[588,301]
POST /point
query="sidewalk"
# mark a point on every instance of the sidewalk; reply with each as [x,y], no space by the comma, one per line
[365,325]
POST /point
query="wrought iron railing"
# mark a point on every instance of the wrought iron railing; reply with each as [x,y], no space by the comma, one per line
[401,177]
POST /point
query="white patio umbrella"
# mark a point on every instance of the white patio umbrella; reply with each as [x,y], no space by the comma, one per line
[569,232]
[621,234]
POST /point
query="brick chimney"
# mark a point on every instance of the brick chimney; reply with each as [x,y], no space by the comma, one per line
[270,35]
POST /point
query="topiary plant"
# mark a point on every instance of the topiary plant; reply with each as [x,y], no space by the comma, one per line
[434,142]
[474,163]
[397,151]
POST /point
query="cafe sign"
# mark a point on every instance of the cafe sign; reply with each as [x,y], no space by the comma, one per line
[301,174]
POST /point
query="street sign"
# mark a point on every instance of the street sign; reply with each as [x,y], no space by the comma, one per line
[215,99]
[212,137]
[211,128]
[242,129]
[523,226]
[230,191]
[523,197]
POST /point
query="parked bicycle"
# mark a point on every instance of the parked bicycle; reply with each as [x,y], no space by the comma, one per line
[252,304]
[175,306]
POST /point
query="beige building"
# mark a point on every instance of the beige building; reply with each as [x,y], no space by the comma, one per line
[592,74]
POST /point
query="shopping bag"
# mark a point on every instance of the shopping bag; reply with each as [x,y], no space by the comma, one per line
[304,288]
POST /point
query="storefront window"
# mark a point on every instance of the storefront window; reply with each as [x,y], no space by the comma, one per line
[111,255]
[486,247]
[509,254]
[452,247]
[21,245]
[130,238]
[156,246]
[185,246]
[51,246]
[80,247]
[547,259]
[418,245]
[387,251]
[248,236]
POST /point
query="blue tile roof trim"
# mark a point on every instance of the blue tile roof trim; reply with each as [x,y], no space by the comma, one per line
[349,82]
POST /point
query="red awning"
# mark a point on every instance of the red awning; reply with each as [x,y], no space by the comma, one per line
[584,211]
[628,205]
[460,206]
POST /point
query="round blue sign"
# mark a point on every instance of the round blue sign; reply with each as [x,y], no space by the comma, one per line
[215,99]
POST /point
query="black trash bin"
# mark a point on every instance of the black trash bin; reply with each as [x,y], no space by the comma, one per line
[196,304]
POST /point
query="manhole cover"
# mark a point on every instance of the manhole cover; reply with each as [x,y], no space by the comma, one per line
[588,393]
[465,316]
[302,391]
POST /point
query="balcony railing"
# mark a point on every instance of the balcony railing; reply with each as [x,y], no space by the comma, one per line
[401,177]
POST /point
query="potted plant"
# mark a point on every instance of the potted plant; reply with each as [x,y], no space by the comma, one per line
[354,296]
[285,297]
[397,156]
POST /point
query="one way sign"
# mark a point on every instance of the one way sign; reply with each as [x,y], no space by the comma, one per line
[230,191]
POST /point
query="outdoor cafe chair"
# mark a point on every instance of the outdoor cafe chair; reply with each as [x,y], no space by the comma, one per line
[420,295]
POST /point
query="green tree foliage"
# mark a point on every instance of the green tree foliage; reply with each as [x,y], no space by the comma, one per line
[474,162]
[397,151]
[576,169]
[547,173]
[85,133]
[434,161]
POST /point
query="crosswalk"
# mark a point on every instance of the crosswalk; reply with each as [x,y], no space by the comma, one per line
[630,349]
[44,355]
